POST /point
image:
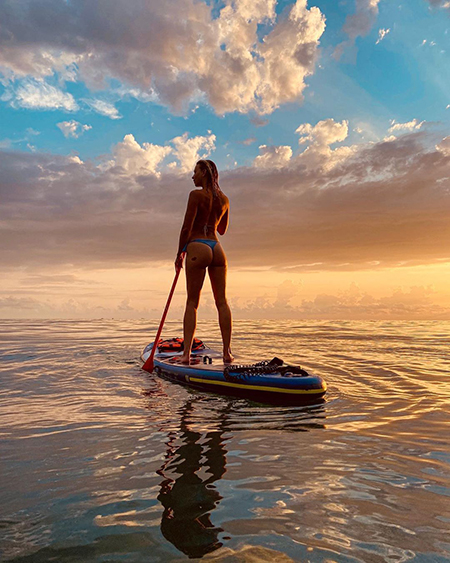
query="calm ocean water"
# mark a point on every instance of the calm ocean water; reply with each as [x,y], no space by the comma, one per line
[101,461]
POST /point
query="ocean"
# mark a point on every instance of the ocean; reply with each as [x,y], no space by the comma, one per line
[102,462]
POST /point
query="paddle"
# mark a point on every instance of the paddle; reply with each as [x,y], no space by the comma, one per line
[148,364]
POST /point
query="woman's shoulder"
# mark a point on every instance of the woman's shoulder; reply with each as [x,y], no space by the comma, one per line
[196,195]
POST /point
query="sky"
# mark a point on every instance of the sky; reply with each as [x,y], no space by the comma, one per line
[329,122]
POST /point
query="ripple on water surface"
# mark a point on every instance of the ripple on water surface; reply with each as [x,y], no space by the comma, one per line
[103,462]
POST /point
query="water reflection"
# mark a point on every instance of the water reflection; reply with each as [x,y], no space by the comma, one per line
[193,462]
[196,458]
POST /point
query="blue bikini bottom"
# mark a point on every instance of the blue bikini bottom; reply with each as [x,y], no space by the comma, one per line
[207,241]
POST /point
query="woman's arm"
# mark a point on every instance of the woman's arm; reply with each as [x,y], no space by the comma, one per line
[189,217]
[223,223]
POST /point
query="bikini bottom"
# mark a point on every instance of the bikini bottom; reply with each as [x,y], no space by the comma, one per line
[207,241]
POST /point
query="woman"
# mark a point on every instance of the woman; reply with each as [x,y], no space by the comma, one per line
[206,214]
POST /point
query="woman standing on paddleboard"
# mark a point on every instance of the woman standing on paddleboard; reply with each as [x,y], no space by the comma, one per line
[206,215]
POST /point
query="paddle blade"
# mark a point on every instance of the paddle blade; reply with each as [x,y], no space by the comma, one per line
[148,364]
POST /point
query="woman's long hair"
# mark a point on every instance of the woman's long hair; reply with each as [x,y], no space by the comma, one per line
[213,174]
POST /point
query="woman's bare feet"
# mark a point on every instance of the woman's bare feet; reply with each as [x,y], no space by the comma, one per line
[185,359]
[228,357]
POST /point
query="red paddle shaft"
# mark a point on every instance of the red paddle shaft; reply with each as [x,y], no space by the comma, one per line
[148,364]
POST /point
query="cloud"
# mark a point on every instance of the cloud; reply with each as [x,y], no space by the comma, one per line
[29,134]
[104,108]
[415,302]
[124,305]
[72,128]
[409,126]
[404,303]
[19,303]
[189,151]
[132,158]
[245,59]
[326,132]
[320,137]
[38,94]
[385,204]
[440,4]
[258,121]
[73,308]
[273,156]
[51,280]
[412,303]
[444,146]
[382,34]
[358,24]
[286,291]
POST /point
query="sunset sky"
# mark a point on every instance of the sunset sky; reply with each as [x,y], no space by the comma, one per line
[329,121]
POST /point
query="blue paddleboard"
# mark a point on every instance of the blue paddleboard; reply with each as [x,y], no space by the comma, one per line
[267,381]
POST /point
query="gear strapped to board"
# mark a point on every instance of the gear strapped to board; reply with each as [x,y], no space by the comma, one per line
[266,367]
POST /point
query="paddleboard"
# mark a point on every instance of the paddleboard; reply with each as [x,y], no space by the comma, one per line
[267,380]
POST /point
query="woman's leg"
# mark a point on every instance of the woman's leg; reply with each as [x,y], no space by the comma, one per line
[197,260]
[218,276]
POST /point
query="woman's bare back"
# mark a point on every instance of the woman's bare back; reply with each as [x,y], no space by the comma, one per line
[210,211]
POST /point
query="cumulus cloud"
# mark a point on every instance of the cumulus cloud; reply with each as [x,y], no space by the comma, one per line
[72,128]
[188,57]
[133,158]
[286,291]
[273,156]
[358,24]
[38,94]
[188,151]
[325,133]
[317,155]
[386,204]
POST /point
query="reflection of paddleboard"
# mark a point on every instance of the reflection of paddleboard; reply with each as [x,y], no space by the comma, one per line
[267,380]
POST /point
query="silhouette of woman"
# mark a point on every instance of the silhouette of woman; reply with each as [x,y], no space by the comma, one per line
[206,215]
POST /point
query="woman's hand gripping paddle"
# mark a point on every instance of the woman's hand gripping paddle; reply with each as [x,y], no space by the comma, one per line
[148,364]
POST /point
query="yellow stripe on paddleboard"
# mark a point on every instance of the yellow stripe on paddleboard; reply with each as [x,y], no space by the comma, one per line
[259,387]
